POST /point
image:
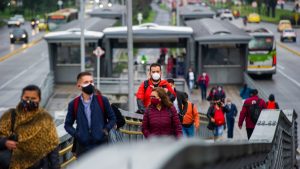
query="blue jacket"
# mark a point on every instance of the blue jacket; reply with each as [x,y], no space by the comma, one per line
[232,112]
[245,93]
[85,136]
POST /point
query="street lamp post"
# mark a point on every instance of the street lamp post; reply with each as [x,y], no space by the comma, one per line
[130,57]
[177,12]
[82,46]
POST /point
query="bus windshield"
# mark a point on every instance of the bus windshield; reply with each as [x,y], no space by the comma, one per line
[57,20]
[261,43]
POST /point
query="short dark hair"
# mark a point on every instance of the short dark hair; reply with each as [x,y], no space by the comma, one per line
[155,65]
[171,81]
[254,92]
[81,74]
[186,96]
[272,97]
[32,88]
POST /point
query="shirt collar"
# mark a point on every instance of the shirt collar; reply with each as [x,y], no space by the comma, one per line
[91,97]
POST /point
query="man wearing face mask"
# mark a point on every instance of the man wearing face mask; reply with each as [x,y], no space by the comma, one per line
[93,115]
[146,87]
[203,81]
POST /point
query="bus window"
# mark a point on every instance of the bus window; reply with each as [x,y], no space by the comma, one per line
[261,43]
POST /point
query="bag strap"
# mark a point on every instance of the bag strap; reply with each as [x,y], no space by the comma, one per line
[100,102]
[13,120]
[146,84]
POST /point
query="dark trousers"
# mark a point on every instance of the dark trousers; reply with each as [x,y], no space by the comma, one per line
[83,149]
[230,126]
[203,91]
[249,132]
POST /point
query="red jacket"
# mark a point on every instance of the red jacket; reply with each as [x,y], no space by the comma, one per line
[145,95]
[202,79]
[244,114]
[164,122]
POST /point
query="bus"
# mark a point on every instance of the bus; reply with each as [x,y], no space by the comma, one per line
[261,53]
[61,16]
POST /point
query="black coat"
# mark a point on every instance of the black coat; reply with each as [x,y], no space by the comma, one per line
[180,99]
[120,120]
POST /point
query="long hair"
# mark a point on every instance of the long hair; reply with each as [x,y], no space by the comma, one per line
[165,101]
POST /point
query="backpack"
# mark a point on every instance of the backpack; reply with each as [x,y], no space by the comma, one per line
[254,110]
[100,102]
[182,114]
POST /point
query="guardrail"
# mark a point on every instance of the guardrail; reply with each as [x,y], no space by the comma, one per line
[272,146]
[131,132]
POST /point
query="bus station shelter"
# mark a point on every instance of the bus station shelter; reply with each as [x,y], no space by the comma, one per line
[64,48]
[148,35]
[221,50]
[117,12]
[192,12]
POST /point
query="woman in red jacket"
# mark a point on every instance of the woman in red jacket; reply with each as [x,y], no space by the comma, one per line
[161,118]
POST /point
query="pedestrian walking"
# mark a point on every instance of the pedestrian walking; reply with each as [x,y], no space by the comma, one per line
[220,94]
[250,112]
[231,112]
[212,94]
[93,115]
[170,65]
[271,103]
[216,116]
[179,99]
[190,122]
[161,118]
[190,79]
[146,87]
[245,92]
[28,137]
[203,82]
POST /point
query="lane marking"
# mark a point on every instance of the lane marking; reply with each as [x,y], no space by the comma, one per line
[289,49]
[20,74]
[20,49]
[288,77]
[280,67]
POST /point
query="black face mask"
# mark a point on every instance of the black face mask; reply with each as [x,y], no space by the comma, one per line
[29,105]
[89,89]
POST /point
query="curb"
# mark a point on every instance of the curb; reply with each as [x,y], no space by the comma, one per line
[289,49]
[20,49]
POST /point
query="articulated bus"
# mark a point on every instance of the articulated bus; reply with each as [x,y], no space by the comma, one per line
[59,17]
[262,53]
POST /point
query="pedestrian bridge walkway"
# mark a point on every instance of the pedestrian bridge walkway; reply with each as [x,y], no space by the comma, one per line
[272,145]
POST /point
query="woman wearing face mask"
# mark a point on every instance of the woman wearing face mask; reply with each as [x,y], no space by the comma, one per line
[33,139]
[161,118]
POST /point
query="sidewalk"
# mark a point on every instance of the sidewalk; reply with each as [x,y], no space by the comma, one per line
[231,92]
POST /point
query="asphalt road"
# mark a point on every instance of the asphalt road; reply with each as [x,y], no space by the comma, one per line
[6,47]
[27,67]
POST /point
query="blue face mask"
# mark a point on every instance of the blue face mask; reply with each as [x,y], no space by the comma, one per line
[29,105]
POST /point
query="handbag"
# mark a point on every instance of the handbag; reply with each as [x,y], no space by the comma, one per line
[5,155]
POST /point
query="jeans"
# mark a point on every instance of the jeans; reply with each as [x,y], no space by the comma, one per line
[191,84]
[188,131]
[230,126]
[203,91]
[218,131]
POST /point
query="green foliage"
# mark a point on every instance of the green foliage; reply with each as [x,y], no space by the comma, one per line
[3,4]
[164,6]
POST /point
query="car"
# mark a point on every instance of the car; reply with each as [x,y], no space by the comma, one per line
[42,25]
[253,18]
[20,18]
[13,22]
[219,12]
[288,34]
[18,34]
[227,14]
[284,24]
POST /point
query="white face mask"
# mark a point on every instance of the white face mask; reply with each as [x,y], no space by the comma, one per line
[155,76]
[204,74]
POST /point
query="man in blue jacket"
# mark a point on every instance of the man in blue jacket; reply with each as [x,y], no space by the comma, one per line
[93,120]
[231,112]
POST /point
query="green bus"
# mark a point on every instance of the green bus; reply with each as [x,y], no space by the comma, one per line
[262,53]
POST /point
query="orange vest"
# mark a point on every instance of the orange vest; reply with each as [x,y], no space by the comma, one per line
[271,105]
[191,115]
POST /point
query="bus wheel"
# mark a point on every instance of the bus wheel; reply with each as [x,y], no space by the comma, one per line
[269,76]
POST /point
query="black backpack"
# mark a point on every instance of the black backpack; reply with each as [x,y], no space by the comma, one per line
[254,110]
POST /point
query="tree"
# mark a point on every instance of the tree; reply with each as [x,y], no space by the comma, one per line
[3,4]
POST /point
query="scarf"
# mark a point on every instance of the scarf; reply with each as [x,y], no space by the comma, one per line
[37,136]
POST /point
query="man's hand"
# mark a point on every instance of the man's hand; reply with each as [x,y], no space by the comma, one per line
[105,132]
[212,120]
[11,144]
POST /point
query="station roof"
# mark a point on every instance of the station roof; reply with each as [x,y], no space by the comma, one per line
[150,31]
[196,11]
[213,31]
[70,32]
[113,12]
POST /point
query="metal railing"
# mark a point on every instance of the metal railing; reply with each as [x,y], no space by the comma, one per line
[271,146]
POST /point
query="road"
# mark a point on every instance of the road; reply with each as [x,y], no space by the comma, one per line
[6,47]
[27,67]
